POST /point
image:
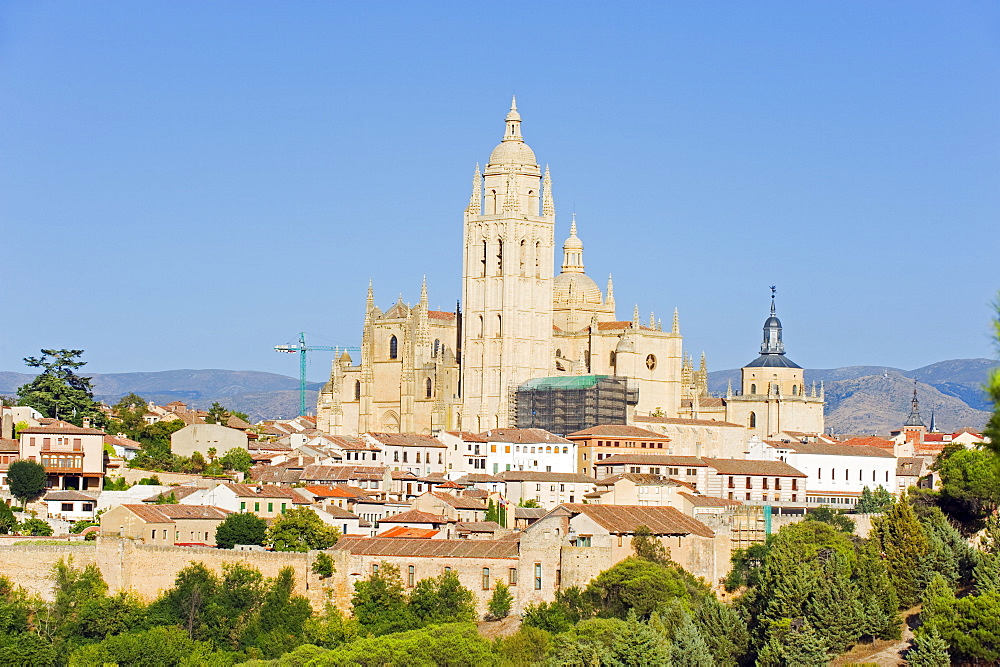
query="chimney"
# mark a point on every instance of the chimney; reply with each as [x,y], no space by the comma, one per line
[86,422]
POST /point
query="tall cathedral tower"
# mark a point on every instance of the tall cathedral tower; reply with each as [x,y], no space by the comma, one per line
[506,280]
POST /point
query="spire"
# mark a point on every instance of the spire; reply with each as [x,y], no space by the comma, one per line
[652,320]
[914,419]
[572,251]
[729,388]
[703,368]
[370,302]
[610,300]
[677,324]
[423,293]
[548,205]
[772,332]
[476,200]
[933,427]
[513,120]
[635,317]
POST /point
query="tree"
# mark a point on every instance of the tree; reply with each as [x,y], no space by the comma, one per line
[635,584]
[379,602]
[155,646]
[323,565]
[528,502]
[649,547]
[26,480]
[58,392]
[35,527]
[189,602]
[929,651]
[82,525]
[992,430]
[500,601]
[903,545]
[236,459]
[442,599]
[8,522]
[970,486]
[74,588]
[723,630]
[834,610]
[130,411]
[217,414]
[874,503]
[240,528]
[876,595]
[527,646]
[836,519]
[301,529]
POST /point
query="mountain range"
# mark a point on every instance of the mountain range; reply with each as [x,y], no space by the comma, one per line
[860,399]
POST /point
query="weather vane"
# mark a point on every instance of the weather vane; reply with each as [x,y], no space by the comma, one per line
[773,290]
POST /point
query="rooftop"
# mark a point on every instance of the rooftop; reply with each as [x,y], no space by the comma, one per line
[625,519]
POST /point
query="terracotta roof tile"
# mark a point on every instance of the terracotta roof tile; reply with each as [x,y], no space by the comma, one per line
[685,422]
[68,495]
[709,501]
[377,546]
[752,468]
[406,440]
[440,315]
[652,459]
[415,516]
[63,430]
[536,476]
[459,503]
[408,533]
[618,431]
[531,436]
[624,519]
[824,449]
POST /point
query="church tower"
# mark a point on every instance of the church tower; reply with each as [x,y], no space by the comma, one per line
[506,280]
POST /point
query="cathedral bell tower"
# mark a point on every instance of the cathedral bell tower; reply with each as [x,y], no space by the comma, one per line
[506,280]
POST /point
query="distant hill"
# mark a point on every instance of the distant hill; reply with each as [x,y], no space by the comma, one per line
[876,399]
[860,399]
[260,395]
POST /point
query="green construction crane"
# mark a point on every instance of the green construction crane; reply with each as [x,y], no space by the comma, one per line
[302,348]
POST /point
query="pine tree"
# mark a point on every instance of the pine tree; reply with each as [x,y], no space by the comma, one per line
[938,602]
[877,597]
[723,629]
[986,573]
[499,605]
[833,609]
[904,546]
[930,651]
[689,648]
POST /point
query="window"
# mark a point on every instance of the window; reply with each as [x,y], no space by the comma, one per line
[404,457]
[538,576]
[428,388]
[749,485]
[795,390]
[374,568]
[395,456]
[795,486]
[67,507]
[499,257]
[270,507]
[243,506]
[752,418]
[691,472]
[256,507]
[357,390]
[410,576]
[418,457]
[483,260]
[283,506]
[650,362]
[654,471]
[436,348]
[777,484]
[512,576]
[486,578]
[393,347]
[583,541]
[447,569]
[753,390]
[89,507]
[764,483]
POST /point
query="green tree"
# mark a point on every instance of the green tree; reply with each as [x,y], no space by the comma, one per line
[500,601]
[100,617]
[874,502]
[836,519]
[834,609]
[903,545]
[636,584]
[8,522]
[528,502]
[876,595]
[26,480]
[58,392]
[379,602]
[929,651]
[648,546]
[82,525]
[442,599]
[791,647]
[155,646]
[723,630]
[33,526]
[167,499]
[992,387]
[301,529]
[217,414]
[74,588]
[986,573]
[130,412]
[190,603]
[689,648]
[240,528]
[527,646]
[491,511]
[282,617]
[323,565]
[236,459]
[970,486]
[456,645]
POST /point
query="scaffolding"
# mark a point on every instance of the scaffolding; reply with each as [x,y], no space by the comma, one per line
[565,404]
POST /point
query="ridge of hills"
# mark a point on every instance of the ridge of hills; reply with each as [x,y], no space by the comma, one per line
[860,399]
[876,399]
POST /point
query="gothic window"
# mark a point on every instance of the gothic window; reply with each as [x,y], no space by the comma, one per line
[538,259]
[393,348]
[499,326]
[436,348]
[429,386]
[357,390]
[611,358]
[558,353]
[479,333]
[483,260]
[493,194]
[650,362]
[752,420]
[499,257]
[521,257]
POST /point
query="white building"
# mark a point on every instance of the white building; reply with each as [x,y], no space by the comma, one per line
[836,473]
[499,450]
[410,452]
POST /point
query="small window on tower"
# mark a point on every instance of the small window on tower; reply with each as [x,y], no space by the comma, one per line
[429,386]
[357,390]
[393,347]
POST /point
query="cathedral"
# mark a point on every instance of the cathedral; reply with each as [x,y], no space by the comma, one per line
[424,371]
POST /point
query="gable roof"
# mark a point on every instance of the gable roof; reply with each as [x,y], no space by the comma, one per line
[266,491]
[708,501]
[618,431]
[751,468]
[535,476]
[459,503]
[624,519]
[685,422]
[378,546]
[62,430]
[316,472]
[168,513]
[414,516]
[180,492]
[839,449]
[652,459]
[406,440]
[68,495]
[408,533]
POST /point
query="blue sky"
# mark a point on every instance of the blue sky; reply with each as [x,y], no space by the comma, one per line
[186,185]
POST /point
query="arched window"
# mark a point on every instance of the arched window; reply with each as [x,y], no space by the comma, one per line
[493,196]
[521,257]
[558,353]
[795,390]
[499,326]
[611,358]
[753,389]
[565,450]
[357,390]
[429,387]
[479,332]
[499,257]
[538,259]
[752,420]
[393,347]
[483,260]
[418,457]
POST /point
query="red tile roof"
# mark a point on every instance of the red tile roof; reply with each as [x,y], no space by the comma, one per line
[405,532]
[378,546]
[531,436]
[839,449]
[652,459]
[63,430]
[618,431]
[415,516]
[440,315]
[872,441]
[686,422]
[709,501]
[753,468]
[406,440]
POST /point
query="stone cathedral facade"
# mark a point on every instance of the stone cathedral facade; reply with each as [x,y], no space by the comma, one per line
[422,370]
